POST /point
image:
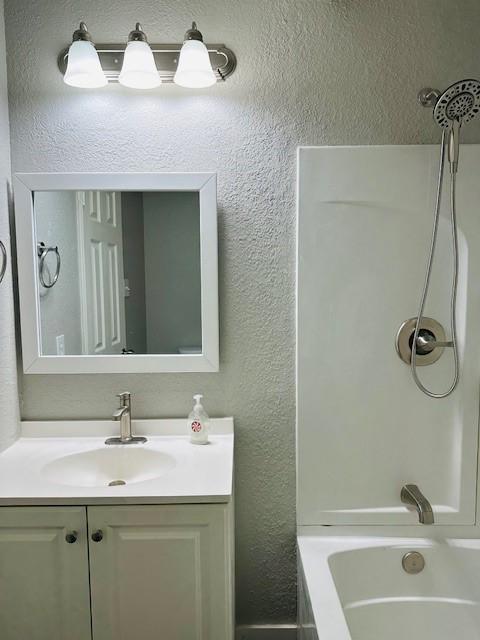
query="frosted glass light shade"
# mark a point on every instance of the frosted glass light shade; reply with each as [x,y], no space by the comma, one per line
[139,70]
[194,68]
[83,66]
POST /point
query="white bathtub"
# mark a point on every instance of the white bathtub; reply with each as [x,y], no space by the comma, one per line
[353,588]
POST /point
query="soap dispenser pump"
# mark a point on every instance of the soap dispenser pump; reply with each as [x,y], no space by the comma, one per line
[198,422]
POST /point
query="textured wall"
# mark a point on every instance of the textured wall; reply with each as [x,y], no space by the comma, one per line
[310,72]
[9,414]
[172,271]
[134,270]
[60,314]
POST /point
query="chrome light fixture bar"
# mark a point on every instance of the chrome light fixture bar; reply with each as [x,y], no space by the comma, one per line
[166,58]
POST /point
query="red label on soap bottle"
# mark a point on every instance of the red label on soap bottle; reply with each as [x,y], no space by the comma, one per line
[196,426]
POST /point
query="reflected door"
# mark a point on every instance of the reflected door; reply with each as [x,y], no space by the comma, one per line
[99,221]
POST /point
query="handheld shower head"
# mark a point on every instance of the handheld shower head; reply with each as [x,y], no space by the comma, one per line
[461,102]
[458,104]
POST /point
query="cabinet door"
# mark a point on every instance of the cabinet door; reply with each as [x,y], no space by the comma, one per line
[44,590]
[161,572]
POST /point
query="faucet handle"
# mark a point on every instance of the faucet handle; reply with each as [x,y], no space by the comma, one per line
[125,398]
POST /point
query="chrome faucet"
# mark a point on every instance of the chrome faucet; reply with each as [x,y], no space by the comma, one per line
[124,415]
[412,495]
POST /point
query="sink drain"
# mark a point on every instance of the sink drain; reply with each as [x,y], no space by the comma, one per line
[116,483]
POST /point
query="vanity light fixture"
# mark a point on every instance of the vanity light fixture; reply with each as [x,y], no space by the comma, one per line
[189,64]
[194,67]
[138,69]
[83,65]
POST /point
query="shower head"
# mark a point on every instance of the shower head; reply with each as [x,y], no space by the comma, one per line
[459,103]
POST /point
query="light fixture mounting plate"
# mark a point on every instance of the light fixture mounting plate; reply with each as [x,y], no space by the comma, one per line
[166,58]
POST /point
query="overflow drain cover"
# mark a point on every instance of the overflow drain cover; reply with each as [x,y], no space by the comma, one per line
[413,562]
[116,483]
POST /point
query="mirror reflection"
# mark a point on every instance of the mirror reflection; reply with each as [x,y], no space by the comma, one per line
[118,272]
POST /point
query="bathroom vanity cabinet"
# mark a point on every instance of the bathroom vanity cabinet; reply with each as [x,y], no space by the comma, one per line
[105,542]
[123,572]
[44,585]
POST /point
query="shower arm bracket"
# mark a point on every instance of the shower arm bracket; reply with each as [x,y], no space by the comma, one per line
[428,97]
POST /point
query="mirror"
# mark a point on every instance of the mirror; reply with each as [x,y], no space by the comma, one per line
[118,274]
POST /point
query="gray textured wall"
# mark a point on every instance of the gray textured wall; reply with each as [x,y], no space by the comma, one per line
[310,72]
[9,414]
[134,270]
[172,271]
[60,314]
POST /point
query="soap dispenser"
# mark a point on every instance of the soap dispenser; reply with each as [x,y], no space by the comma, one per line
[198,422]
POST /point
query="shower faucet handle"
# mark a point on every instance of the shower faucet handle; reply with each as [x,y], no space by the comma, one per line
[427,345]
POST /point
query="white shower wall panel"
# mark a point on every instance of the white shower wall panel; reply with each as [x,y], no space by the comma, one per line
[363,427]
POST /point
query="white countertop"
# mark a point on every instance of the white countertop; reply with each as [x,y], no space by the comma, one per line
[197,473]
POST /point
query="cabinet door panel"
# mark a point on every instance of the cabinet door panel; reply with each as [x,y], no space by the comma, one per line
[44,589]
[161,572]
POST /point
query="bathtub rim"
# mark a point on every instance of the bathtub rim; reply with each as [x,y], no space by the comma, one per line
[315,548]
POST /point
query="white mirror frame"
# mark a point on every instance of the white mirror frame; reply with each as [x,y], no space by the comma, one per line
[25,184]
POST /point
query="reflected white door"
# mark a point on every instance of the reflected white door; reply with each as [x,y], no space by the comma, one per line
[99,221]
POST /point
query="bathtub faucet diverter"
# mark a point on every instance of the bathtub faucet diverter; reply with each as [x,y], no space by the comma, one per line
[412,495]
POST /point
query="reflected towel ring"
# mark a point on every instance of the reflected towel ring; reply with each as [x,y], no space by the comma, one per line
[3,268]
[43,252]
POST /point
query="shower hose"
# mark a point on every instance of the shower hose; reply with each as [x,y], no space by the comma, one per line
[426,285]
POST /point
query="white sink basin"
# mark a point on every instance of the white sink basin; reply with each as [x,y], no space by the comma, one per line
[108,466]
[68,463]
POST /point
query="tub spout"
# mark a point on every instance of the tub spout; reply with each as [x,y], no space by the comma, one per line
[412,495]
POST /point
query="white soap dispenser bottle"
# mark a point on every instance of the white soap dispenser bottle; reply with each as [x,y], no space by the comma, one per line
[198,422]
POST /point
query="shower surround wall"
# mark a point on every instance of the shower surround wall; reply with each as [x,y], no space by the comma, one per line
[363,426]
[9,413]
[309,72]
